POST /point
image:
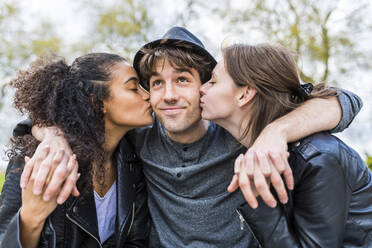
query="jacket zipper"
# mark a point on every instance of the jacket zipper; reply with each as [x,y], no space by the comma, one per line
[54,232]
[242,221]
[73,221]
[131,223]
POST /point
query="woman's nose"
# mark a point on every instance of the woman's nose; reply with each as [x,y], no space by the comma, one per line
[203,89]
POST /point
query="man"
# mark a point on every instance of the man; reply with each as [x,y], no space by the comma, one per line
[188,162]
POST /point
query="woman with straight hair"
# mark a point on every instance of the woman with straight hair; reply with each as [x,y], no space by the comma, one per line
[94,102]
[331,204]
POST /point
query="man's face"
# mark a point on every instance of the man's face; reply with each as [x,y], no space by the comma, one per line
[174,96]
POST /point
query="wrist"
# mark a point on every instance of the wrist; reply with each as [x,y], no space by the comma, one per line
[32,220]
[279,129]
[52,132]
[42,133]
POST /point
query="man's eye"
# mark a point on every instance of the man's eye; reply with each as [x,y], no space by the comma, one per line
[211,82]
[182,79]
[156,83]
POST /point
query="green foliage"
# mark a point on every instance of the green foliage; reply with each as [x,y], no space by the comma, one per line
[313,29]
[120,26]
[18,46]
[2,179]
[369,161]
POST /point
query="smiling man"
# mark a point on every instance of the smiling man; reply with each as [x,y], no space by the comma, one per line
[179,113]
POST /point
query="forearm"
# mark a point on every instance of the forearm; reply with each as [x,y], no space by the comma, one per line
[30,229]
[313,116]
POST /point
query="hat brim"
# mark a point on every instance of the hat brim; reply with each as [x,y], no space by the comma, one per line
[163,42]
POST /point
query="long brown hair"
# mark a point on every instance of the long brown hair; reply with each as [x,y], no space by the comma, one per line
[272,71]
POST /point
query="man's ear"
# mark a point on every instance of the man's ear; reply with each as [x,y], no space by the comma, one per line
[246,95]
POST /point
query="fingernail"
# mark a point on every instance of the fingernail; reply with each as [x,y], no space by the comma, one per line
[46,197]
[284,201]
[290,186]
[37,191]
[74,156]
[23,185]
[78,175]
[59,200]
[254,205]
[273,205]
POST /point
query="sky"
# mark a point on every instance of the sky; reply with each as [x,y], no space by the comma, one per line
[71,20]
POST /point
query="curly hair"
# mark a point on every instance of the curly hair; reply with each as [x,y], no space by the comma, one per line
[52,93]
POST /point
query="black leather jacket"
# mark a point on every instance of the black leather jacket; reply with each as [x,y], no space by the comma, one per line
[74,223]
[330,206]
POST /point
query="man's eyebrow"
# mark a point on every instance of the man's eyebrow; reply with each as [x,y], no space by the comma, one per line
[179,70]
[154,73]
[130,79]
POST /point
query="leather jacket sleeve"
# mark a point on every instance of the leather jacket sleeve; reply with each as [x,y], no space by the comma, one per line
[350,105]
[319,205]
[22,128]
[140,229]
[10,203]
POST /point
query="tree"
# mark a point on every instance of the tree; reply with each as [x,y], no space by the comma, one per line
[324,33]
[19,46]
[119,26]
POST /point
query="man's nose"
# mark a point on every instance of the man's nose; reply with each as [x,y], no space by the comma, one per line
[170,93]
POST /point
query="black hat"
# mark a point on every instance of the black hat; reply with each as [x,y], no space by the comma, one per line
[175,34]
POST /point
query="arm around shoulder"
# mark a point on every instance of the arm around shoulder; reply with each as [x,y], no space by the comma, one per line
[318,114]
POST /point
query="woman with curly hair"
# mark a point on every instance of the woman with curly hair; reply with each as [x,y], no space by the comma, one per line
[95,101]
[331,204]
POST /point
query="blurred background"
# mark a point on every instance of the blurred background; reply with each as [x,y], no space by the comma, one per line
[333,39]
